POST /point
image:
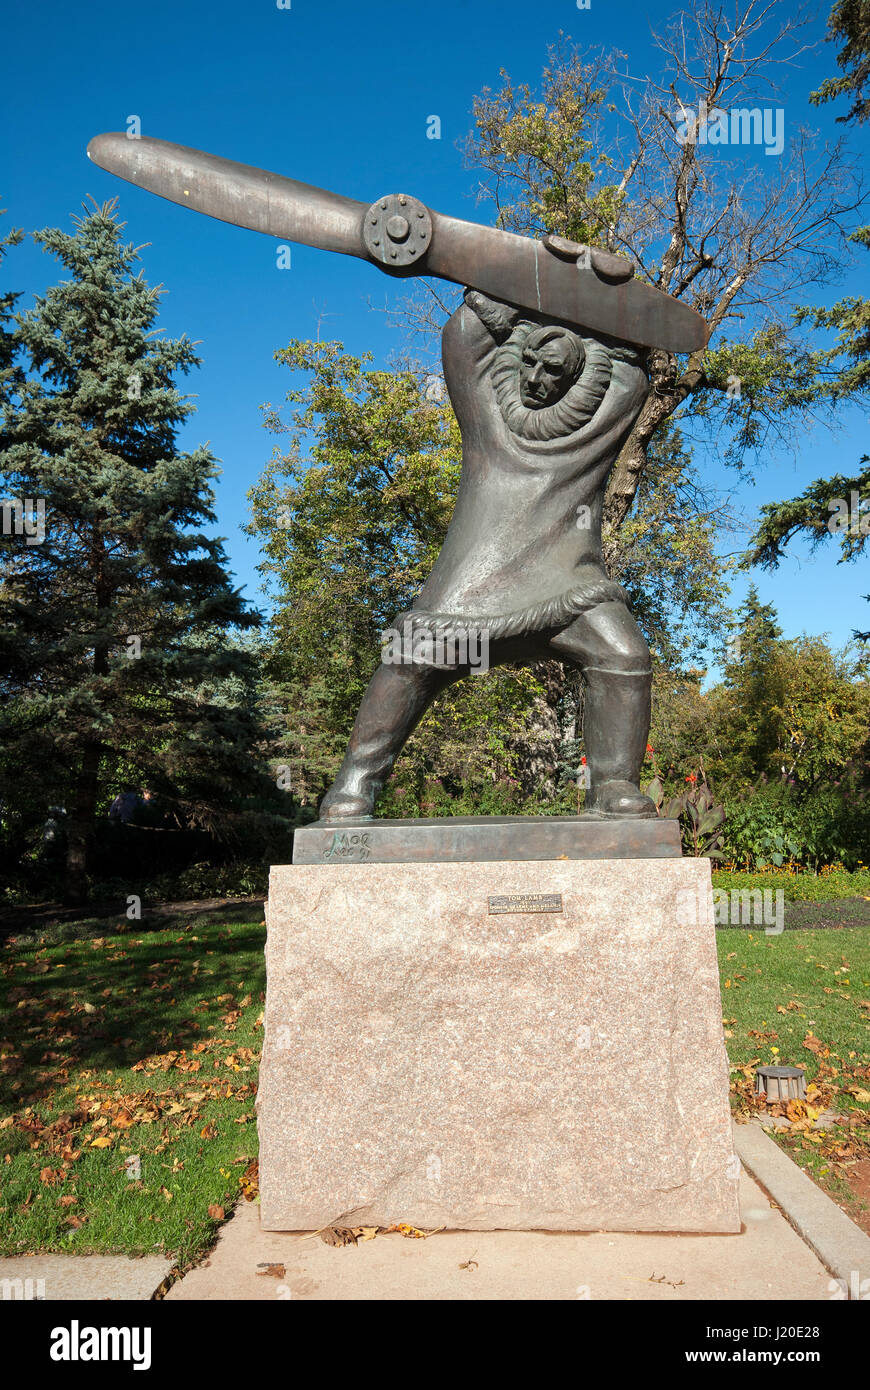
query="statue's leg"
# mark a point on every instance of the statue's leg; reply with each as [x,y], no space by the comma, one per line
[396,699]
[608,646]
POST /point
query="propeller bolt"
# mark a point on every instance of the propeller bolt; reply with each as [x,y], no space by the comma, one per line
[397,227]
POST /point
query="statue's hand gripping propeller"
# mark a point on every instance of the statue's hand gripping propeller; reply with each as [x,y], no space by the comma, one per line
[554,277]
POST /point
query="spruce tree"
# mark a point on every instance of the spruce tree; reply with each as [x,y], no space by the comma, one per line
[7,304]
[116,627]
[752,676]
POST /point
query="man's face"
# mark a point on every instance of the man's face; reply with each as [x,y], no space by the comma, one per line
[547,370]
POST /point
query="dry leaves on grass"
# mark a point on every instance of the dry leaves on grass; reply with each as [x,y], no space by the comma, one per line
[841,1145]
[249,1181]
[240,1059]
[99,1115]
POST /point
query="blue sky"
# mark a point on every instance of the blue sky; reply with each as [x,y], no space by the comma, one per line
[335,94]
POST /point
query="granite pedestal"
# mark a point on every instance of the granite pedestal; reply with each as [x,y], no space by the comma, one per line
[495,1045]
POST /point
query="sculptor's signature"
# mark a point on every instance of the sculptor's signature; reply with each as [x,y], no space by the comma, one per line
[346,846]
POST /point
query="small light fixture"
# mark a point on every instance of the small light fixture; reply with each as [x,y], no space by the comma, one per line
[781,1083]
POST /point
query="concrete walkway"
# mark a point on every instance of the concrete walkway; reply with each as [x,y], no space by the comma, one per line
[56,1278]
[768,1260]
[777,1255]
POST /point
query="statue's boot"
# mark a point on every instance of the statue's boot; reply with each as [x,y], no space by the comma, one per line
[615,730]
[395,700]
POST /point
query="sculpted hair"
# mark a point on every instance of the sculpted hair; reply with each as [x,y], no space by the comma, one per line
[575,356]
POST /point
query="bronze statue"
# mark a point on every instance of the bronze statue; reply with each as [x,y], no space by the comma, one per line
[545,367]
[543,412]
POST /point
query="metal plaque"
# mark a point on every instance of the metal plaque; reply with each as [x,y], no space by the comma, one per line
[526,902]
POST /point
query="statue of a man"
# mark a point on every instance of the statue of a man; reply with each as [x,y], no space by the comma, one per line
[543,413]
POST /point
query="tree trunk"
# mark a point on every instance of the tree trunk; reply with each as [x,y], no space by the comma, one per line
[84,801]
[667,393]
[80,826]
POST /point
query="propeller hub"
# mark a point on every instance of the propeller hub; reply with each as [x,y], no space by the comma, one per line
[397,231]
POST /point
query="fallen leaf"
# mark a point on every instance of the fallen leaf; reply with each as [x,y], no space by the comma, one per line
[249,1182]
[413,1232]
[337,1235]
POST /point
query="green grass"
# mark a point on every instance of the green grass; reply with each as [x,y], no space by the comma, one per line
[761,974]
[141,1043]
[796,999]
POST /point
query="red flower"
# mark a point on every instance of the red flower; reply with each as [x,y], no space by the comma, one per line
[649,748]
[583,762]
[693,778]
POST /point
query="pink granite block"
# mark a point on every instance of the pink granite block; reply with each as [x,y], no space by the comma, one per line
[431,1059]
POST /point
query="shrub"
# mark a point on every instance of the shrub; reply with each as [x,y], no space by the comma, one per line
[775,825]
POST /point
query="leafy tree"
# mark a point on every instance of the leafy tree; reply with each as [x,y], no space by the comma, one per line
[822,714]
[688,728]
[836,507]
[114,627]
[729,729]
[792,712]
[733,238]
[809,802]
[665,555]
[810,512]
